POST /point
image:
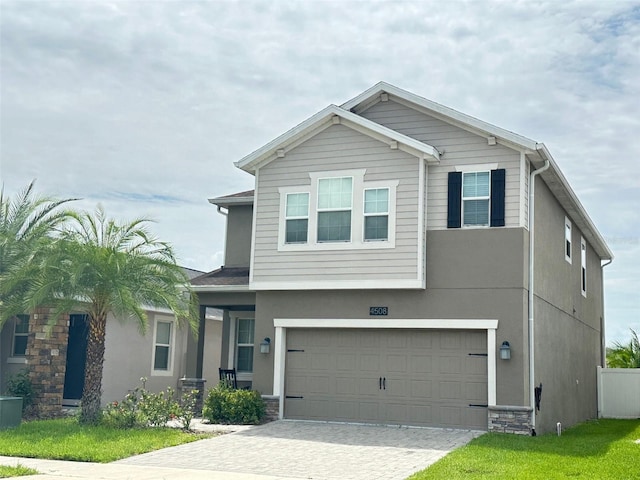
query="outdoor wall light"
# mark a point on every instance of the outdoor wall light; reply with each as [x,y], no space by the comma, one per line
[505,351]
[265,344]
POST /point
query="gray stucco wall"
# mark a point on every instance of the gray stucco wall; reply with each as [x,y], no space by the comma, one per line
[567,325]
[471,274]
[238,239]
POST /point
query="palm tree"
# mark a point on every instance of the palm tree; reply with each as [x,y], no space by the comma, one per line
[100,267]
[28,227]
[625,355]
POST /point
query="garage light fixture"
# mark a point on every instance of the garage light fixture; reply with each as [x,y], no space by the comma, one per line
[505,351]
[265,344]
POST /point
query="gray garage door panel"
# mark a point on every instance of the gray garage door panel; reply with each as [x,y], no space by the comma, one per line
[430,377]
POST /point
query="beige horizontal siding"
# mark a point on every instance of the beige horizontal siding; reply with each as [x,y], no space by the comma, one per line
[460,148]
[337,148]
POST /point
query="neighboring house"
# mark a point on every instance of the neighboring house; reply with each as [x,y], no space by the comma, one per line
[384,257]
[57,360]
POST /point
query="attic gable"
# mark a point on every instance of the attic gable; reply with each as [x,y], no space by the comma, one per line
[333,115]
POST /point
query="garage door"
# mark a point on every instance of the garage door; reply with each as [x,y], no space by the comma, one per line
[408,377]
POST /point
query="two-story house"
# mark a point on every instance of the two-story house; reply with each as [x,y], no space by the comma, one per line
[400,262]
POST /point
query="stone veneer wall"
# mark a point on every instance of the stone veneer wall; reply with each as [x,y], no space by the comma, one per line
[272,403]
[510,419]
[46,359]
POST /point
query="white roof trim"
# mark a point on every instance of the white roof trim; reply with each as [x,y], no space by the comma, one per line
[269,151]
[220,288]
[441,110]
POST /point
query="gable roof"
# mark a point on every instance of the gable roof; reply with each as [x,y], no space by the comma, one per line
[325,118]
[240,198]
[535,151]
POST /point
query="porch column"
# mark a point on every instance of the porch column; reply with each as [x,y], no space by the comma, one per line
[200,348]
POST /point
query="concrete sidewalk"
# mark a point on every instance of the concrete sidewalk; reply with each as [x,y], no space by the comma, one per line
[62,470]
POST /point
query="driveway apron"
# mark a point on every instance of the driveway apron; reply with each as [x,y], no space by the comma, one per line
[314,450]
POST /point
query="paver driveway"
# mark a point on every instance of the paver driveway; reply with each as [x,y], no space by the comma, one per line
[314,450]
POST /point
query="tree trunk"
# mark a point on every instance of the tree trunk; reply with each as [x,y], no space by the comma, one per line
[92,392]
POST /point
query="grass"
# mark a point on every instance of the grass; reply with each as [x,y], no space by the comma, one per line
[602,449]
[66,439]
[17,471]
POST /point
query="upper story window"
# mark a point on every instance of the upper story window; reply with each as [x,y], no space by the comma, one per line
[476,197]
[297,217]
[335,199]
[20,335]
[338,210]
[583,266]
[567,239]
[163,347]
[376,214]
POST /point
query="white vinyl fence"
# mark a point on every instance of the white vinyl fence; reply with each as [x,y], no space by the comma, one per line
[618,392]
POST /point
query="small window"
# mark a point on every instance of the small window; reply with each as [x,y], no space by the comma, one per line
[567,239]
[244,346]
[162,351]
[583,266]
[475,198]
[297,217]
[334,209]
[20,335]
[376,214]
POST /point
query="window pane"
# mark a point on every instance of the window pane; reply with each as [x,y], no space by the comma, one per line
[376,200]
[296,231]
[475,184]
[297,205]
[161,361]
[334,192]
[334,226]
[245,359]
[22,323]
[20,345]
[245,330]
[163,333]
[376,228]
[476,212]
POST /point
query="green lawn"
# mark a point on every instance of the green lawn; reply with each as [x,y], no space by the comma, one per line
[17,471]
[65,439]
[603,449]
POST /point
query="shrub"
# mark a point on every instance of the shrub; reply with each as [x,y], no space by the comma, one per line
[228,405]
[19,385]
[141,408]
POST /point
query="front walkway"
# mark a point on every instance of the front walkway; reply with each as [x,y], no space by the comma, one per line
[276,451]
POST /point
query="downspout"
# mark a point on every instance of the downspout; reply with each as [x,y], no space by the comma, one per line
[603,351]
[222,212]
[532,380]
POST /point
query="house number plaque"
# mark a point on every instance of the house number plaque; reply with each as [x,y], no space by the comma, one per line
[379,311]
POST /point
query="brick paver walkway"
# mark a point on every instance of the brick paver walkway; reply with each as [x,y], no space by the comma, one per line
[314,450]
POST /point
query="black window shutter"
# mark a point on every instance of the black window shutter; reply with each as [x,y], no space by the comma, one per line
[454,206]
[497,198]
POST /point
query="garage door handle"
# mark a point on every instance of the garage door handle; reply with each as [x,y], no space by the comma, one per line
[379,383]
[293,396]
[384,383]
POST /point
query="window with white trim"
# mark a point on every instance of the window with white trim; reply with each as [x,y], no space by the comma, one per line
[338,210]
[475,198]
[244,345]
[296,217]
[20,335]
[163,346]
[583,266]
[567,239]
[335,199]
[376,214]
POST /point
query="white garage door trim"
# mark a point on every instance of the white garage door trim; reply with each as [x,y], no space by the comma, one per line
[280,347]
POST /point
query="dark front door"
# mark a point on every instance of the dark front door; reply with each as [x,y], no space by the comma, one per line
[76,357]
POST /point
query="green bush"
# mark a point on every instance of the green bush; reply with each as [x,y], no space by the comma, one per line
[19,385]
[227,405]
[141,408]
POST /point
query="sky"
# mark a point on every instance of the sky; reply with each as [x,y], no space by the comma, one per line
[143,106]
